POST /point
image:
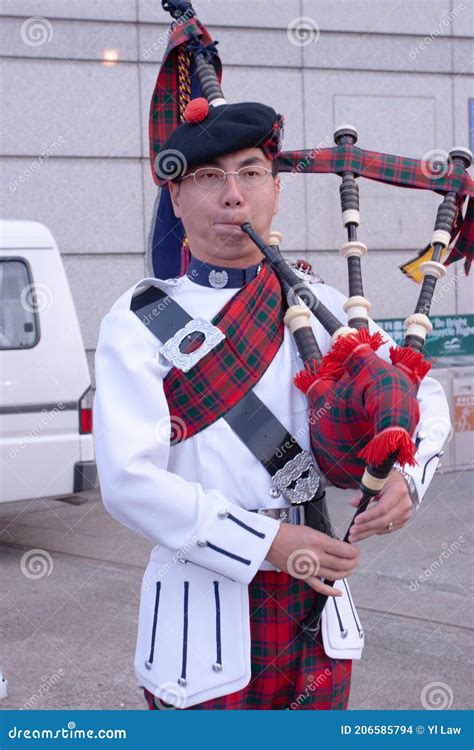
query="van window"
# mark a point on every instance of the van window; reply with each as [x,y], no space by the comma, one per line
[18,326]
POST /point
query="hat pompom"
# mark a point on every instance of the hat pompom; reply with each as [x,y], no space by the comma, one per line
[196,110]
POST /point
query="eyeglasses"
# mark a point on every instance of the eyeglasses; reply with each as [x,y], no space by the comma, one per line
[211,178]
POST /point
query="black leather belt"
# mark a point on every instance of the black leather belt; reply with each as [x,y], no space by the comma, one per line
[292,469]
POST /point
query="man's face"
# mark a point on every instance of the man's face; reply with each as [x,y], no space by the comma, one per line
[212,218]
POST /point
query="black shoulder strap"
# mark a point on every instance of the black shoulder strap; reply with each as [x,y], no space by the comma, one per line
[260,430]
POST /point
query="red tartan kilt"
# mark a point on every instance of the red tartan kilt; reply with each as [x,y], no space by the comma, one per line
[286,672]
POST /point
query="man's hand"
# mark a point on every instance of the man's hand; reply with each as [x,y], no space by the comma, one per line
[310,555]
[394,505]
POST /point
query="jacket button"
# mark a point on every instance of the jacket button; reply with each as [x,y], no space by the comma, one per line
[182,682]
[217,667]
[223,513]
[201,543]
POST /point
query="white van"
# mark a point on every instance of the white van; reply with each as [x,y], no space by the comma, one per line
[46,445]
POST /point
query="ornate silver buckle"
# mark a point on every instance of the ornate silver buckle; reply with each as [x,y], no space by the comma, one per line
[185,361]
[290,481]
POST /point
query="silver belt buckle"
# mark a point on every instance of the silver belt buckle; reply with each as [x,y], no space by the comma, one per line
[298,480]
[185,361]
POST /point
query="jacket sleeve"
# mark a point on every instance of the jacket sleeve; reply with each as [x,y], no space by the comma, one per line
[131,437]
[434,426]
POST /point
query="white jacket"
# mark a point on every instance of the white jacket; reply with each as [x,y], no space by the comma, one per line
[175,496]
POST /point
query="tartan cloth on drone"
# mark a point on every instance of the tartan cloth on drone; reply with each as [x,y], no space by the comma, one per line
[464,245]
[461,246]
[165,110]
[252,322]
[395,170]
[287,673]
[400,171]
[364,401]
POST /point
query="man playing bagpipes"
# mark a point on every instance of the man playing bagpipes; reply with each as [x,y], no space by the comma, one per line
[203,443]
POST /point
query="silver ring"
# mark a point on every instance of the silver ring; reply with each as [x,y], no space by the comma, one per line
[389,527]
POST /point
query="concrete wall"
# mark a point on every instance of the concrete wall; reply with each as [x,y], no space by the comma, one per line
[400,71]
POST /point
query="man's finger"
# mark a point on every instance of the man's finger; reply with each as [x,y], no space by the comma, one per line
[396,515]
[322,588]
[337,548]
[388,500]
[361,535]
[395,527]
[339,564]
[332,574]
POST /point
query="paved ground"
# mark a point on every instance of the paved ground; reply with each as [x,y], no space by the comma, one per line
[68,617]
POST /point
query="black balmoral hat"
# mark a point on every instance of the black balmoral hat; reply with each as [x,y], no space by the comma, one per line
[212,131]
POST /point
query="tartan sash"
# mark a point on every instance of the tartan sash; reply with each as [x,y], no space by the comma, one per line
[252,322]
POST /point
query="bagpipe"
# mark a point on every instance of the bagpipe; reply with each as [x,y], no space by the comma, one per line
[363,411]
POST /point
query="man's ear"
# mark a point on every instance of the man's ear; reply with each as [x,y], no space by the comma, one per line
[277,195]
[174,188]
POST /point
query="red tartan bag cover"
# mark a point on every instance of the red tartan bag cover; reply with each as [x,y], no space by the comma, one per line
[362,408]
[252,322]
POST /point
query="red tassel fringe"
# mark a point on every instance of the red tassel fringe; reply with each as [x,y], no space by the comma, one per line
[414,362]
[343,348]
[391,440]
[305,378]
[331,365]
[345,345]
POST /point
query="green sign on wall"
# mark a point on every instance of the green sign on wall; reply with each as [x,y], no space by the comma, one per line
[452,337]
